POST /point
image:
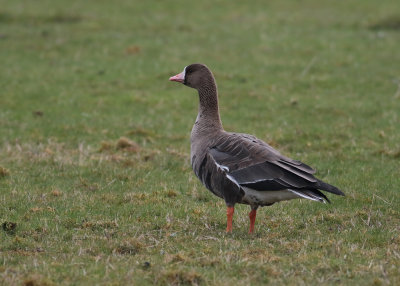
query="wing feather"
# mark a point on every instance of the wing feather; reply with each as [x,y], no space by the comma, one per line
[254,164]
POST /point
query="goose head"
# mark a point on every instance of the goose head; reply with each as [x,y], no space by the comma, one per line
[195,76]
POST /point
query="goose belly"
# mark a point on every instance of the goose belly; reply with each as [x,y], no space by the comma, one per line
[264,198]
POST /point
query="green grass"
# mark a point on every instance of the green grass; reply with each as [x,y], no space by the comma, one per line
[318,80]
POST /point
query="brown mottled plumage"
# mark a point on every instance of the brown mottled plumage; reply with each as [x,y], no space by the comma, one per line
[241,168]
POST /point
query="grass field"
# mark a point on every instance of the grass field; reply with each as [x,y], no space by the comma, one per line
[96,186]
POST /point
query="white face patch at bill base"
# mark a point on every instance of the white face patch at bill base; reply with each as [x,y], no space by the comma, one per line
[184,73]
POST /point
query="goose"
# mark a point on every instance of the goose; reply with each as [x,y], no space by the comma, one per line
[241,168]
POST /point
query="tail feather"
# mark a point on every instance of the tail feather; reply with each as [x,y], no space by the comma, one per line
[318,194]
[329,188]
[313,195]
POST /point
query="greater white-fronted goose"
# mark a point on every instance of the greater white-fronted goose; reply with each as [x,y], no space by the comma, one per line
[241,168]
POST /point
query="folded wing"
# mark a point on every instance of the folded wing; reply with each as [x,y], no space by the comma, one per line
[254,164]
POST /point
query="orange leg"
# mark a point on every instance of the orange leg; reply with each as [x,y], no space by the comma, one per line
[252,216]
[229,214]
